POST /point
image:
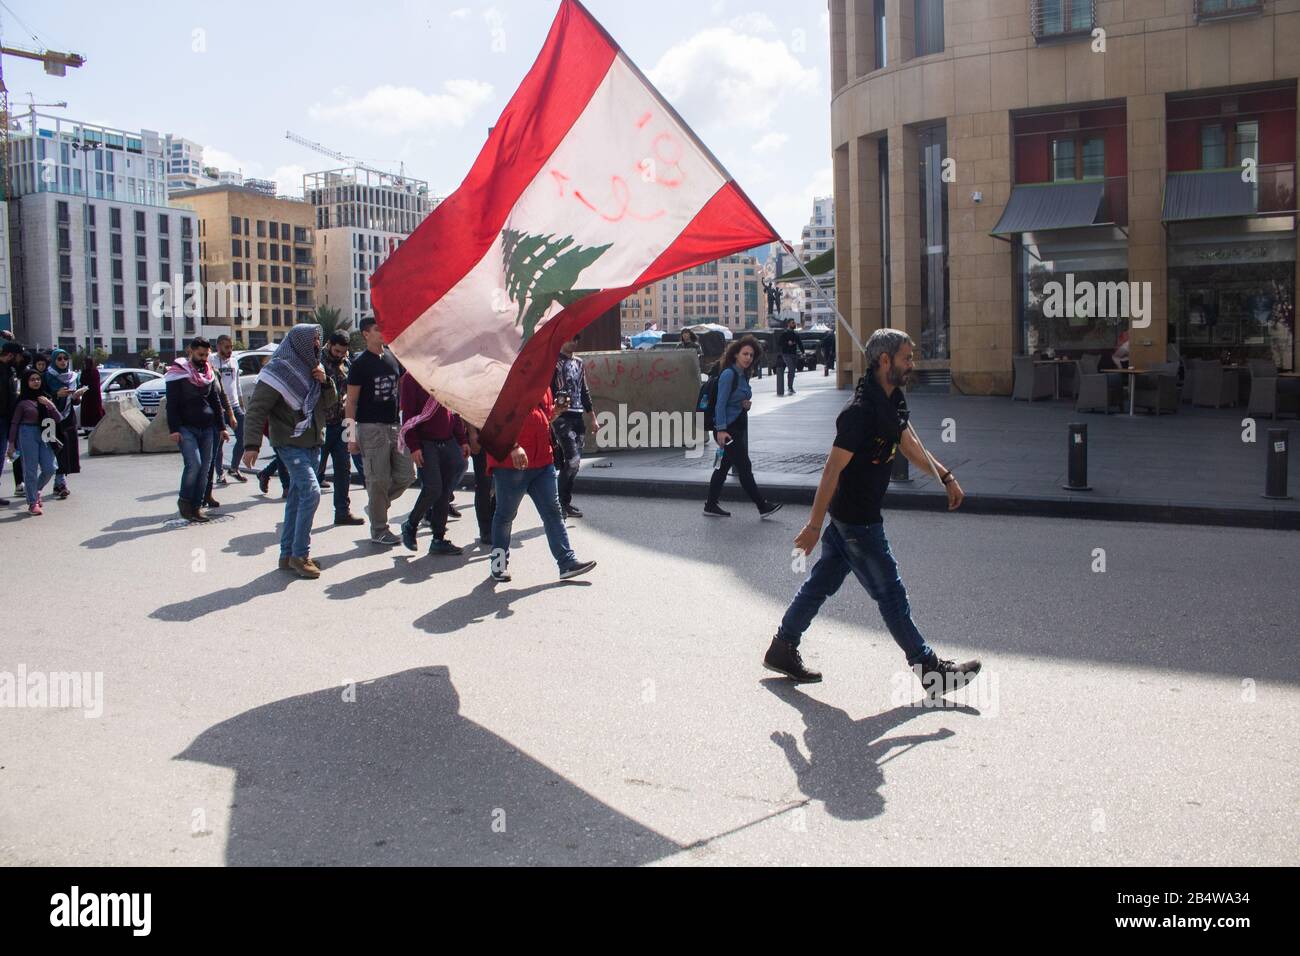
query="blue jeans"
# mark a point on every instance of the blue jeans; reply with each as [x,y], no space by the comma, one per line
[864,550]
[300,506]
[336,449]
[197,449]
[37,456]
[4,443]
[238,451]
[539,484]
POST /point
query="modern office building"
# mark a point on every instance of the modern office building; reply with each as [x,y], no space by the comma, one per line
[727,292]
[984,149]
[248,237]
[91,235]
[819,235]
[360,216]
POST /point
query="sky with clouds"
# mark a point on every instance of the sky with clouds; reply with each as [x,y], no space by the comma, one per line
[416,81]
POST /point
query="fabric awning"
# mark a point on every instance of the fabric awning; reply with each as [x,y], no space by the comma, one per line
[1207,196]
[1050,206]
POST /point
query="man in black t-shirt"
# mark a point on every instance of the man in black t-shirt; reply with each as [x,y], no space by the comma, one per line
[370,423]
[870,431]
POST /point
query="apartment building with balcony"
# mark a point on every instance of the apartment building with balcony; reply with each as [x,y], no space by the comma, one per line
[726,292]
[983,148]
[91,234]
[248,237]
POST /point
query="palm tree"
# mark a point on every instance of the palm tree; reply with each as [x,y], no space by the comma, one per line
[330,321]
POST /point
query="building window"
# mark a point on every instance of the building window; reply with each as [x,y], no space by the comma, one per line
[142,319]
[119,320]
[1216,9]
[141,272]
[929,27]
[882,59]
[114,217]
[139,221]
[934,243]
[1060,18]
[235,247]
[261,228]
[238,270]
[1077,158]
[61,211]
[140,247]
[1214,147]
[164,224]
[234,225]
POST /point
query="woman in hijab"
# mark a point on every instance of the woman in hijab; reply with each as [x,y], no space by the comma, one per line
[39,363]
[292,400]
[92,403]
[61,385]
[34,428]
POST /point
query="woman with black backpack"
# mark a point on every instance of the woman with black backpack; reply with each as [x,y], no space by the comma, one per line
[730,404]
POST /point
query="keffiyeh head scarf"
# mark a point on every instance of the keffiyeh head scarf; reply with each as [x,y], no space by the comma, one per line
[182,368]
[290,371]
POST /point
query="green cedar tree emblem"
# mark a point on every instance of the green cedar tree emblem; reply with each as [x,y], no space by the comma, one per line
[541,270]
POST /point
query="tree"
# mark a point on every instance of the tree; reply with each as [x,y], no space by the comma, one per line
[330,320]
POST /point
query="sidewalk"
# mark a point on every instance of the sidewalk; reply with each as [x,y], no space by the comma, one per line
[1192,467]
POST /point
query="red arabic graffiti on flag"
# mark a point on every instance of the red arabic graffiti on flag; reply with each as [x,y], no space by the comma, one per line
[589,187]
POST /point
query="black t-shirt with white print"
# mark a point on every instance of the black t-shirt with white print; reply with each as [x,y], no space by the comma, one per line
[870,427]
[377,377]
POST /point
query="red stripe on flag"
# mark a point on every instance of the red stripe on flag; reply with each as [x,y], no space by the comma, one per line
[727,224]
[455,237]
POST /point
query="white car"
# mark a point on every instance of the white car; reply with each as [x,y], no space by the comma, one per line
[119,383]
[150,395]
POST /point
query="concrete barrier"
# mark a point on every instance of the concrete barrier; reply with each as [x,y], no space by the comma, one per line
[120,432]
[643,398]
[157,440]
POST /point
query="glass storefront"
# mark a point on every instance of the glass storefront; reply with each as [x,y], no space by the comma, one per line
[1232,289]
[1070,258]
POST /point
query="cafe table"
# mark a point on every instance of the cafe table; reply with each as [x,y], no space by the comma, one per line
[1056,373]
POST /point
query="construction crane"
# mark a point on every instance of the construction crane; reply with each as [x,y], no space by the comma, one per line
[341,157]
[56,64]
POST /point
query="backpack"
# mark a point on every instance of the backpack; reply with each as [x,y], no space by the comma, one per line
[708,397]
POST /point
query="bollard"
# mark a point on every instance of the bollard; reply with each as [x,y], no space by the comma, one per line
[901,474]
[1077,456]
[1275,478]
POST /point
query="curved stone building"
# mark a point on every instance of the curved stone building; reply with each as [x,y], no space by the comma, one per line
[986,148]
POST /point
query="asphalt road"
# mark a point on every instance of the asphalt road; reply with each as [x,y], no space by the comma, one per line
[403,710]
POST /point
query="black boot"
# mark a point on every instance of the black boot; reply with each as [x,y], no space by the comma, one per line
[783,657]
[939,677]
[186,508]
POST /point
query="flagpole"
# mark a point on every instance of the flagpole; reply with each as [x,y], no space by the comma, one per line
[856,341]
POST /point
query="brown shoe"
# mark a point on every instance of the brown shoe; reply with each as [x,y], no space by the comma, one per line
[304,568]
[311,562]
[198,517]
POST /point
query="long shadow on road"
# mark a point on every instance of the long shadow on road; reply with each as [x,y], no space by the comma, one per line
[398,777]
[843,769]
[486,600]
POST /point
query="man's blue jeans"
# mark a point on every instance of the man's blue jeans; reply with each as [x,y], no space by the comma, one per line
[864,550]
[539,484]
[238,451]
[300,506]
[196,451]
[39,465]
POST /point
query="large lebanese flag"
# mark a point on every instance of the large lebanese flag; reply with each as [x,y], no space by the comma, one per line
[590,187]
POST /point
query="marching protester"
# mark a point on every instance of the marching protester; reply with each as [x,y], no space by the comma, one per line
[228,371]
[92,402]
[194,419]
[11,360]
[484,503]
[337,366]
[40,362]
[372,411]
[869,432]
[828,351]
[731,429]
[790,347]
[292,399]
[218,443]
[569,386]
[436,440]
[529,470]
[61,385]
[33,428]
